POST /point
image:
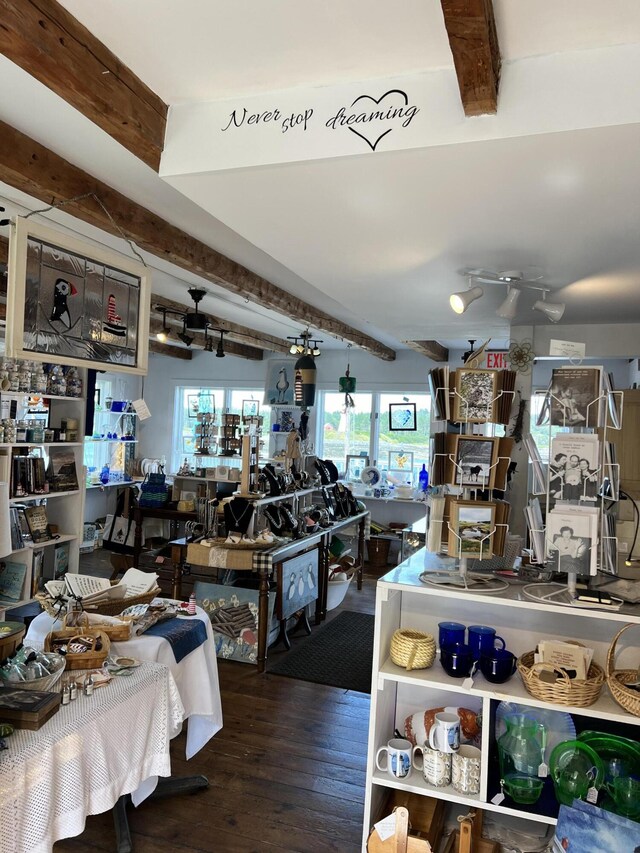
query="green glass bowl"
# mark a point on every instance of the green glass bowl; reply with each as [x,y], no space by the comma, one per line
[522,789]
[614,750]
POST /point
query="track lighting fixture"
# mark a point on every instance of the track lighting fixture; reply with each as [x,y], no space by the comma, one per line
[552,310]
[184,337]
[303,344]
[516,284]
[508,308]
[196,322]
[220,353]
[163,334]
[461,301]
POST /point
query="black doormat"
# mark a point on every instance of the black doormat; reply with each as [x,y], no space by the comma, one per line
[339,654]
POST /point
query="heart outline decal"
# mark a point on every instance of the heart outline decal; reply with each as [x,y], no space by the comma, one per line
[377,101]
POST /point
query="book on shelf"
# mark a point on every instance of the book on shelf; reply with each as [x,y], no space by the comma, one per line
[60,559]
[12,577]
[28,475]
[17,538]
[37,572]
[95,590]
[61,471]
[38,522]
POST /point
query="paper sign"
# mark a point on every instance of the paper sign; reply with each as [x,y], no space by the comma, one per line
[141,409]
[386,828]
[567,349]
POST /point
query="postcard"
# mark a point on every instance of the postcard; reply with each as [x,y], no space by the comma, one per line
[475,459]
[471,529]
[475,395]
[575,393]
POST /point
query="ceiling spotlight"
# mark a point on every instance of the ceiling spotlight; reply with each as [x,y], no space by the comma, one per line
[163,334]
[461,301]
[208,342]
[508,308]
[293,349]
[553,310]
[220,353]
[184,337]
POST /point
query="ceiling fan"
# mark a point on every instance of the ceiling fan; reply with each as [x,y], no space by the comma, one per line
[515,282]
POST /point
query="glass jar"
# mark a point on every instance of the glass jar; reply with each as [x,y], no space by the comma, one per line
[21,431]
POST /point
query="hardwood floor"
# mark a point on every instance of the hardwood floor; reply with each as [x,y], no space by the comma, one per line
[286,772]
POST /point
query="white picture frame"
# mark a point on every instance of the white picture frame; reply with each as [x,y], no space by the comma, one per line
[100,350]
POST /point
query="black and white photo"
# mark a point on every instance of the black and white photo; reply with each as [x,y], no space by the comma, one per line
[574,467]
[574,396]
[571,539]
[475,459]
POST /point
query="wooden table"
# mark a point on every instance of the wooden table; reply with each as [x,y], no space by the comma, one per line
[174,516]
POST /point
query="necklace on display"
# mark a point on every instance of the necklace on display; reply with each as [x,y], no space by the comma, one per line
[236,519]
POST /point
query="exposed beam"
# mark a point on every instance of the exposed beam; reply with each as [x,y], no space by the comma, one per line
[33,169]
[471,28]
[171,351]
[230,347]
[432,349]
[233,330]
[48,43]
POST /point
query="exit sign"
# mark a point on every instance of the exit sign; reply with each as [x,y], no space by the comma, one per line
[498,360]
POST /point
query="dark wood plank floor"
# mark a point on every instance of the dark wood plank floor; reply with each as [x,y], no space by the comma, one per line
[286,772]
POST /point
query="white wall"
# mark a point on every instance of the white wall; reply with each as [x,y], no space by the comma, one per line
[407,373]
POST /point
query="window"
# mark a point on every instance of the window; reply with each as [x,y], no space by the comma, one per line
[191,400]
[345,431]
[365,429]
[410,442]
[188,402]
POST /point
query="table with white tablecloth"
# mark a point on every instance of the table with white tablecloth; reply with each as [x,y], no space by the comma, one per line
[196,675]
[85,757]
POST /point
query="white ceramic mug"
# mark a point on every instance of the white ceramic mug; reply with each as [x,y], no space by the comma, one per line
[465,770]
[435,765]
[398,763]
[444,734]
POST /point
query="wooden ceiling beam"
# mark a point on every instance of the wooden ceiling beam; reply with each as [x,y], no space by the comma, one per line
[39,172]
[232,330]
[471,28]
[432,349]
[47,42]
[230,347]
[169,350]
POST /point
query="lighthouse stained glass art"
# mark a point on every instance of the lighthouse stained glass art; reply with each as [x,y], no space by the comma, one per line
[73,303]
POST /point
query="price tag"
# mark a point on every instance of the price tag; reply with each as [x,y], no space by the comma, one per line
[386,828]
[592,795]
[467,684]
[543,771]
[497,799]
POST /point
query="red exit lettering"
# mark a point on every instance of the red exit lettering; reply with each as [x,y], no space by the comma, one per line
[497,361]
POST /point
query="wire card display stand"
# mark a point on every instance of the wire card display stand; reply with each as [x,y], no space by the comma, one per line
[556,592]
[464,405]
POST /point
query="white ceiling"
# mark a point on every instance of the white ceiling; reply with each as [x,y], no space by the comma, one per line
[375,239]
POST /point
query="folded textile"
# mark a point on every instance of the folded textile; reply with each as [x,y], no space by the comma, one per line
[184,635]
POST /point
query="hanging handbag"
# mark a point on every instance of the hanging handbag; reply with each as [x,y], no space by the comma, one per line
[119,529]
[154,491]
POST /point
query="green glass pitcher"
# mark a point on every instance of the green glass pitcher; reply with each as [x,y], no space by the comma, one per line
[521,748]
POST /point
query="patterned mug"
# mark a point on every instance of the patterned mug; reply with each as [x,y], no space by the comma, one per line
[465,770]
[435,765]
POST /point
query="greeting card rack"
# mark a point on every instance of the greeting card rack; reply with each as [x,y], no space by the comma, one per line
[469,412]
[605,477]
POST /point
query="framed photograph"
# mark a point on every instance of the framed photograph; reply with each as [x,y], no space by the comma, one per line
[355,466]
[74,303]
[278,389]
[401,460]
[475,395]
[201,404]
[571,539]
[189,444]
[574,396]
[471,529]
[475,459]
[402,417]
[250,409]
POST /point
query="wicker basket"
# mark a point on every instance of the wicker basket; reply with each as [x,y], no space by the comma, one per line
[86,660]
[412,649]
[564,690]
[109,608]
[10,641]
[617,680]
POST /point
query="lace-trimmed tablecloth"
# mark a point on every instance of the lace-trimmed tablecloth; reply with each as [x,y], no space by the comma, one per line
[86,756]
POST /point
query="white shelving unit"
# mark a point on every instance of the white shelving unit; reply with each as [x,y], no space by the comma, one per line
[403,601]
[64,509]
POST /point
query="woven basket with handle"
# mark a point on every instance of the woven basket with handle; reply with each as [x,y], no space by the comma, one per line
[109,608]
[412,649]
[617,680]
[84,660]
[564,690]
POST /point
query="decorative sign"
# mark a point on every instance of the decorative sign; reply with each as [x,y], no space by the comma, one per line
[567,349]
[332,121]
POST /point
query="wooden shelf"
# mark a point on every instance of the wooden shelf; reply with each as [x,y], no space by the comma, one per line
[35,546]
[47,496]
